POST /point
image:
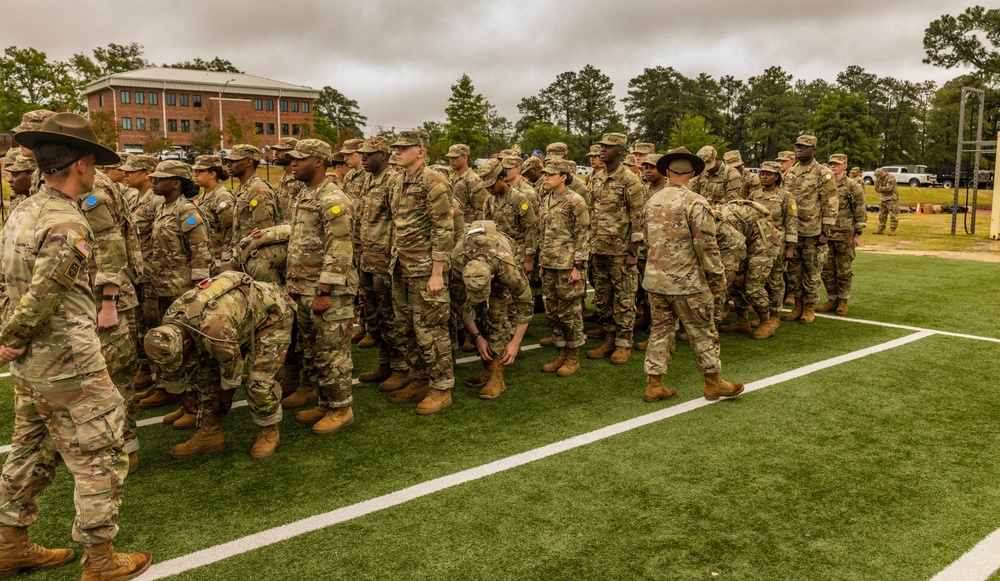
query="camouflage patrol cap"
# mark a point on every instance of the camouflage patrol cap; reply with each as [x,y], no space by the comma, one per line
[786,156]
[164,345]
[595,150]
[490,171]
[351,146]
[531,162]
[511,161]
[32,120]
[771,167]
[243,151]
[557,149]
[641,148]
[855,169]
[408,138]
[709,155]
[373,144]
[733,158]
[839,158]
[806,140]
[139,163]
[554,166]
[17,163]
[509,153]
[457,150]
[206,162]
[614,139]
[172,168]
[311,148]
[477,275]
[629,160]
[652,159]
[285,144]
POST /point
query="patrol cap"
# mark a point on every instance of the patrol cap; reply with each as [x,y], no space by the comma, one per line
[554,166]
[243,151]
[70,128]
[490,171]
[614,139]
[285,144]
[32,120]
[457,150]
[164,345]
[509,153]
[408,138]
[733,158]
[557,148]
[652,159]
[839,158]
[373,144]
[708,154]
[595,150]
[392,159]
[855,169]
[351,146]
[771,167]
[17,162]
[806,140]
[477,275]
[312,148]
[681,161]
[629,160]
[206,162]
[531,162]
[172,168]
[139,163]
[641,148]
[511,161]
[786,156]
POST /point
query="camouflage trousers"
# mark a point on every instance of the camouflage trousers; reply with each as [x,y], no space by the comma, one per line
[326,348]
[493,319]
[154,311]
[804,270]
[776,282]
[838,271]
[422,323]
[118,346]
[562,307]
[754,290]
[696,313]
[380,319]
[82,418]
[721,299]
[641,299]
[888,209]
[614,295]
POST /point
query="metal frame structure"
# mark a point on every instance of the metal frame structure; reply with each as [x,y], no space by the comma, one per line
[962,147]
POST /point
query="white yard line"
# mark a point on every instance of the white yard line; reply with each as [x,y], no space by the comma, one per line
[977,565]
[321,521]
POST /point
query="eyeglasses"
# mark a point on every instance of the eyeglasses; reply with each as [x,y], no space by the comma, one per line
[402,147]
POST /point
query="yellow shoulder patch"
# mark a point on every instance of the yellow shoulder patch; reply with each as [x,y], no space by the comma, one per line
[524,206]
[335,209]
[794,207]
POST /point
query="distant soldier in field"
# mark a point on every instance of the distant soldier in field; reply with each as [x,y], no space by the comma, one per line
[641,151]
[288,187]
[786,159]
[785,217]
[655,181]
[856,176]
[845,236]
[594,160]
[216,203]
[719,183]
[888,205]
[682,272]
[751,181]
[466,186]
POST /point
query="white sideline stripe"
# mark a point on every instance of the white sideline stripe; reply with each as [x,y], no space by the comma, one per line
[904,327]
[275,535]
[977,565]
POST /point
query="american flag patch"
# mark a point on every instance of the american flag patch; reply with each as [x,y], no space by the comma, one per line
[82,247]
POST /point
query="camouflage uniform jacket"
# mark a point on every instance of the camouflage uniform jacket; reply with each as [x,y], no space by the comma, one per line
[256,207]
[131,197]
[354,183]
[564,231]
[103,209]
[815,193]
[753,221]
[182,250]
[732,245]
[288,190]
[751,184]
[683,252]
[48,266]
[650,192]
[861,182]
[320,248]
[784,214]
[471,194]
[146,207]
[221,325]
[852,217]
[886,187]
[514,216]
[217,206]
[485,242]
[529,192]
[423,227]
[376,223]
[616,211]
[718,188]
[15,201]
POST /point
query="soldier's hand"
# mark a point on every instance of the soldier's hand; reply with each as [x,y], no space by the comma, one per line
[9,354]
[529,264]
[821,240]
[789,252]
[435,283]
[575,276]
[320,304]
[510,352]
[107,318]
[738,280]
[483,347]
[857,241]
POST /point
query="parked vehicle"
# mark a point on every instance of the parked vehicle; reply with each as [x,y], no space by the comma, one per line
[915,176]
[946,178]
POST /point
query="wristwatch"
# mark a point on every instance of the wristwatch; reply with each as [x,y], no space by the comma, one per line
[322,293]
[476,336]
[578,265]
[109,298]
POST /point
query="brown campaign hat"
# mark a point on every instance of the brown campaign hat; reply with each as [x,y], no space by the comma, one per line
[68,128]
[680,160]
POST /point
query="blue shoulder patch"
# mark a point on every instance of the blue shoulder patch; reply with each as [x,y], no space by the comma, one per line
[91,200]
[191,220]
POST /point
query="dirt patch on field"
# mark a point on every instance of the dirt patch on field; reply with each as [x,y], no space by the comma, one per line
[985,256]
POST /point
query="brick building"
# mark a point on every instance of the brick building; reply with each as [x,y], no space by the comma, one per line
[178,103]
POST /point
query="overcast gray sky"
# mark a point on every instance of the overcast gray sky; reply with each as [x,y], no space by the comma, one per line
[398,59]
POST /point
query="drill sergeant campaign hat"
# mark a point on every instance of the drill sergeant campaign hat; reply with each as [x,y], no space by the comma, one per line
[681,161]
[68,128]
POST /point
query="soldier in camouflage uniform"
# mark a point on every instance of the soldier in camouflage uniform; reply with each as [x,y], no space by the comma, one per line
[856,176]
[563,252]
[217,204]
[208,334]
[615,237]
[64,400]
[888,203]
[732,251]
[288,187]
[257,205]
[786,159]
[683,270]
[353,183]
[20,168]
[654,182]
[488,280]
[641,151]
[266,267]
[465,184]
[763,243]
[531,171]
[751,181]
[814,190]
[719,183]
[511,211]
[31,121]
[630,164]
[596,165]
[423,235]
[785,217]
[845,236]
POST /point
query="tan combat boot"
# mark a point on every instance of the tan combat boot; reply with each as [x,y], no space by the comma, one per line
[468,346]
[881,230]
[641,345]
[312,415]
[572,363]
[397,380]
[841,307]
[621,355]
[655,391]
[186,422]
[776,317]
[796,312]
[789,300]
[741,325]
[102,563]
[133,465]
[808,314]
[684,336]
[159,397]
[828,306]
[302,396]
[768,325]
[554,366]
[495,386]
[605,350]
[716,387]
[173,416]
[547,342]
[368,342]
[435,401]
[143,379]
[414,391]
[892,232]
[480,379]
[208,438]
[358,335]
[334,420]
[266,443]
[598,333]
[17,553]
[591,317]
[377,375]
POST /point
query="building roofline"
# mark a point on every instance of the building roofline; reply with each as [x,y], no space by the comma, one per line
[193,80]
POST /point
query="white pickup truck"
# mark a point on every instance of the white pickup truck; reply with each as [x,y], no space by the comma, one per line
[915,176]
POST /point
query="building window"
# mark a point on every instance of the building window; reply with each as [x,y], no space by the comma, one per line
[140,122]
[154,123]
[295,127]
[270,104]
[127,123]
[171,99]
[126,97]
[284,106]
[270,128]
[100,100]
[154,98]
[196,100]
[140,97]
[305,106]
[184,100]
[185,126]
[197,125]
[258,128]
[258,104]
[284,128]
[295,106]
[172,125]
